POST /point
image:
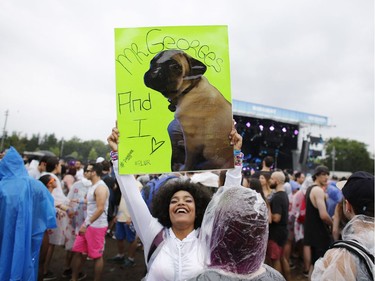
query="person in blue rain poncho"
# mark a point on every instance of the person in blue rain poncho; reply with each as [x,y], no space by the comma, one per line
[26,211]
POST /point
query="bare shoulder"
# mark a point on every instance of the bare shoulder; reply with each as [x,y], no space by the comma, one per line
[317,196]
[317,191]
[101,189]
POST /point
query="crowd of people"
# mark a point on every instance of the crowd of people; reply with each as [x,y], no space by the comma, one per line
[226,225]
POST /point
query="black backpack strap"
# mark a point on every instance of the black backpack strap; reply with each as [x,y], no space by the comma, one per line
[357,249]
[157,241]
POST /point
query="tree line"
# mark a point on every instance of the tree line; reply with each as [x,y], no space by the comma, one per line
[75,147]
[349,155]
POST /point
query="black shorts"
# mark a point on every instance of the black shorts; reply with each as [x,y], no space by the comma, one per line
[317,253]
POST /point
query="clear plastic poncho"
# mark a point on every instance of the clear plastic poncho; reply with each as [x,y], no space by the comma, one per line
[339,263]
[234,231]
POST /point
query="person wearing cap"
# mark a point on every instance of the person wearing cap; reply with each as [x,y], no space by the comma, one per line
[299,210]
[340,263]
[207,178]
[317,221]
[99,159]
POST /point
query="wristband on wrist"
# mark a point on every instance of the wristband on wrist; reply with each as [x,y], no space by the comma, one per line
[238,157]
[113,155]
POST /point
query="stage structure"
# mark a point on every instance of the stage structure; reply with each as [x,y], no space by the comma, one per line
[274,131]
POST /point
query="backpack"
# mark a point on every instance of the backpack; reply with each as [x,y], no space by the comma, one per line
[150,189]
[302,213]
[357,249]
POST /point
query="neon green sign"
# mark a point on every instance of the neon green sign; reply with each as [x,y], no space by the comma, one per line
[173,99]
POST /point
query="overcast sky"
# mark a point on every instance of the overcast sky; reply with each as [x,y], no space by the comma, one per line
[57,67]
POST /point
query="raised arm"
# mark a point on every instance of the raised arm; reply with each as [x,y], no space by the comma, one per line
[145,224]
[234,176]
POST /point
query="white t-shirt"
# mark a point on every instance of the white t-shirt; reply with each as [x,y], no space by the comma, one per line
[79,174]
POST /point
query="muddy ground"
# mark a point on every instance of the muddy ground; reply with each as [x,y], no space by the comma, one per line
[116,273]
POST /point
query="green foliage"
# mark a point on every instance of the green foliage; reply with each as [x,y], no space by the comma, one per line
[75,155]
[55,150]
[93,154]
[351,155]
[48,141]
[32,143]
[15,140]
[76,148]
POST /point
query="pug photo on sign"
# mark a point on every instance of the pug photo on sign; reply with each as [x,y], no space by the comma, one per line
[203,117]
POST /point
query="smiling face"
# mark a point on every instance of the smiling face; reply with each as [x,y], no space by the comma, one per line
[182,210]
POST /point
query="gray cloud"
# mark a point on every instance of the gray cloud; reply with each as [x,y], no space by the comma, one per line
[57,59]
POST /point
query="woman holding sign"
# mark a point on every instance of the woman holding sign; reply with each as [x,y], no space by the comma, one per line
[171,246]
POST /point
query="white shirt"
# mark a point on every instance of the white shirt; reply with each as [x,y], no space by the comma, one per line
[101,221]
[33,169]
[57,193]
[177,260]
[123,213]
[79,174]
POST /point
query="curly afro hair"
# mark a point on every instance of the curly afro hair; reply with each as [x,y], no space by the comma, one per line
[160,202]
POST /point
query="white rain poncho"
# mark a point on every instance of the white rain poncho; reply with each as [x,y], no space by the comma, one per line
[339,263]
